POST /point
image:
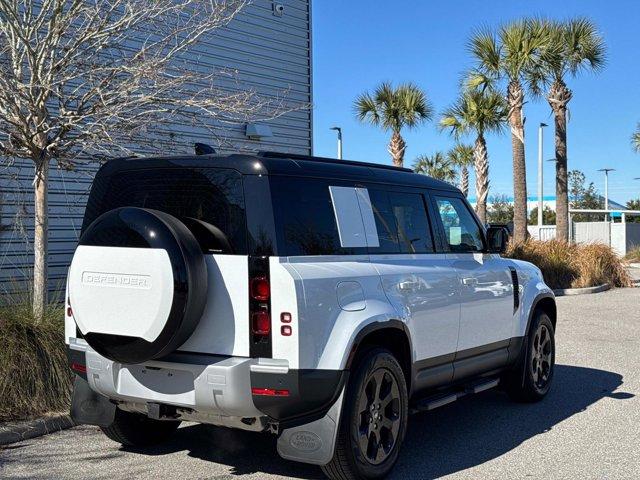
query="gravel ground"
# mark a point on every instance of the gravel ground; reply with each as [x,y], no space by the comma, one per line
[588,427]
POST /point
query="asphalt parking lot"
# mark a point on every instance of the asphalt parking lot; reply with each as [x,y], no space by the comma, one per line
[588,427]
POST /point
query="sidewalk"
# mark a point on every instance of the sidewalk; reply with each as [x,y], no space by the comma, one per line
[634,271]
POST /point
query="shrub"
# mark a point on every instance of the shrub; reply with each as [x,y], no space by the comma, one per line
[633,255]
[569,265]
[34,376]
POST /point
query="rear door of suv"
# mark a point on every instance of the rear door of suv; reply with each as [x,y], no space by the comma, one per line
[421,284]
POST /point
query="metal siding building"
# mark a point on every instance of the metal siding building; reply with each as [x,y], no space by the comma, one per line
[265,50]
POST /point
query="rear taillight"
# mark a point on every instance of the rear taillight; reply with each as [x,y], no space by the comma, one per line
[260,289]
[261,323]
[260,292]
[260,328]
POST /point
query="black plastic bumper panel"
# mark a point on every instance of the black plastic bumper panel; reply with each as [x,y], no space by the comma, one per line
[310,394]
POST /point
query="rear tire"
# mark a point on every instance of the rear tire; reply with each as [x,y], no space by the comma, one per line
[531,381]
[374,420]
[136,430]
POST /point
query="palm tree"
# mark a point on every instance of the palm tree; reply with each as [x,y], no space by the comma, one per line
[462,157]
[515,55]
[575,46]
[436,166]
[480,111]
[393,109]
[635,139]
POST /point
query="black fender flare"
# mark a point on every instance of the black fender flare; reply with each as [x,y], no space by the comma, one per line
[517,358]
[534,307]
[407,362]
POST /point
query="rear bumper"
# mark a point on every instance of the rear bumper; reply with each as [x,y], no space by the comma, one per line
[208,387]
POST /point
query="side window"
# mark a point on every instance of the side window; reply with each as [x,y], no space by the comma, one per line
[305,219]
[401,221]
[385,222]
[461,230]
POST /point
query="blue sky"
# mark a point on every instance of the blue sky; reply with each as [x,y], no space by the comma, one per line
[357,44]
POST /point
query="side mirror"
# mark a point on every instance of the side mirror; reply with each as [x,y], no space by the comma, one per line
[497,239]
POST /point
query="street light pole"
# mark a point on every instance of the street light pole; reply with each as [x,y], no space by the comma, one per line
[540,175]
[339,130]
[606,185]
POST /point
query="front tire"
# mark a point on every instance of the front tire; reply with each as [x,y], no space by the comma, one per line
[136,430]
[532,380]
[374,420]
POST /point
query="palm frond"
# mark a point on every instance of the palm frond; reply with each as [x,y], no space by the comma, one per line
[367,109]
[584,47]
[461,155]
[394,108]
[482,111]
[436,166]
[484,47]
[413,104]
[635,139]
[528,53]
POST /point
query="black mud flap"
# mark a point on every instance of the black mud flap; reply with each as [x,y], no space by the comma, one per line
[90,407]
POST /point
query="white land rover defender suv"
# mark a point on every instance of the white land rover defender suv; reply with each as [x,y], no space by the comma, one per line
[318,300]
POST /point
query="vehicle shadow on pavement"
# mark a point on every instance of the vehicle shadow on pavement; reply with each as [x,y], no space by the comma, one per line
[480,428]
[245,452]
[464,434]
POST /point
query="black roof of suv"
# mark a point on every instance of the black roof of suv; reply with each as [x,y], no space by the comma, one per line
[271,163]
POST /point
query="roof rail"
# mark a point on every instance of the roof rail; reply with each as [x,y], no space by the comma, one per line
[295,156]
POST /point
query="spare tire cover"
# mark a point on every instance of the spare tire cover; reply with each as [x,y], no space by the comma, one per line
[137,284]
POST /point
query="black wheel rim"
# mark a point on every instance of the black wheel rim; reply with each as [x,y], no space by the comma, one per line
[379,416]
[542,357]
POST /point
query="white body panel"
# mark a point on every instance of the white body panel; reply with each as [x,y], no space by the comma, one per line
[486,299]
[287,293]
[328,324]
[121,291]
[224,327]
[424,290]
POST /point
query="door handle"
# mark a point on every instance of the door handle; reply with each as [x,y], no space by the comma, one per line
[408,285]
[470,281]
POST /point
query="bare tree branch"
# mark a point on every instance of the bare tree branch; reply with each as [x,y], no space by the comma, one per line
[93,76]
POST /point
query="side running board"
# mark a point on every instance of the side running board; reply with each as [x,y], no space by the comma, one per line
[435,401]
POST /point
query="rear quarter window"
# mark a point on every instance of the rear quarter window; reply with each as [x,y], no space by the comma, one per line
[304,218]
[211,195]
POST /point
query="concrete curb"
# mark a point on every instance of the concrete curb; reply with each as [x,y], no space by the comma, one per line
[12,432]
[561,292]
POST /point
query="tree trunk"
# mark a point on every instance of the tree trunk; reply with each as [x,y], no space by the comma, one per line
[464,181]
[396,149]
[481,167]
[558,97]
[40,238]
[515,100]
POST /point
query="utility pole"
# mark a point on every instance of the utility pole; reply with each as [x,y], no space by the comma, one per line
[339,130]
[606,186]
[540,176]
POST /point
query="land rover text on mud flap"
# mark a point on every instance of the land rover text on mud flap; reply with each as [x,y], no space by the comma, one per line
[318,300]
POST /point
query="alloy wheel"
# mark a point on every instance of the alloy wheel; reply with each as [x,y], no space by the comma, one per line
[541,357]
[379,416]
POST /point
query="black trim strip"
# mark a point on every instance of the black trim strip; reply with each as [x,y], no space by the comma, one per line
[444,369]
[516,289]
